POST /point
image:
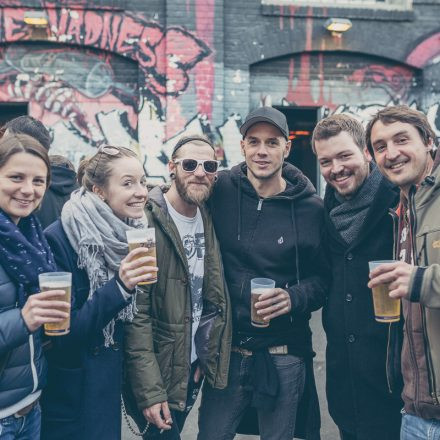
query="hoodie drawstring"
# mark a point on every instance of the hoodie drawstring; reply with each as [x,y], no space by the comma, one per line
[292,210]
[239,209]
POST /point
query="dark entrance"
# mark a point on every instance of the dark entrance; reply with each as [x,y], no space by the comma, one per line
[11,110]
[302,121]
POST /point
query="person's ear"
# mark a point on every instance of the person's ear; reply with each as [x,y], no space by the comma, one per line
[367,154]
[242,145]
[172,169]
[287,148]
[99,192]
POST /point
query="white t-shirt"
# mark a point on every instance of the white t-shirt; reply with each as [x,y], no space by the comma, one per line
[193,239]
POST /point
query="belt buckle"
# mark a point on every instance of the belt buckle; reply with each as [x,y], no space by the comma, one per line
[280,349]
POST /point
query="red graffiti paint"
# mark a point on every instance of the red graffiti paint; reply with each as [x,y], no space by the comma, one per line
[149,44]
[205,70]
[425,51]
[395,80]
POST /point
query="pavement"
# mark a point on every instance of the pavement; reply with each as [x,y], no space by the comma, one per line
[328,428]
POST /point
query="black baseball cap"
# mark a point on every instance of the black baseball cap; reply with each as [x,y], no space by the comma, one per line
[269,115]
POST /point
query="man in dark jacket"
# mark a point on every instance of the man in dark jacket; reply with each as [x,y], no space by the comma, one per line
[359,229]
[183,327]
[63,176]
[269,221]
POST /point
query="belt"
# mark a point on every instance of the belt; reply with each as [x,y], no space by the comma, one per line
[26,410]
[279,349]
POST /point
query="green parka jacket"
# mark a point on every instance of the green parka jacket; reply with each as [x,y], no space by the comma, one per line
[158,340]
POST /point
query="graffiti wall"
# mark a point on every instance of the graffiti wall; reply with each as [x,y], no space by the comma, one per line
[101,74]
[98,73]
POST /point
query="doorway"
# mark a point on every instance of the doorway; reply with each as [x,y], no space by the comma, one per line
[302,121]
[11,110]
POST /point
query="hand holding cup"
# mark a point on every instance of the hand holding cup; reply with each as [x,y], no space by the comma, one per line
[137,268]
[47,307]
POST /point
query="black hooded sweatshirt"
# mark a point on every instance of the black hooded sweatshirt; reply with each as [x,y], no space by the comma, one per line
[277,237]
[63,182]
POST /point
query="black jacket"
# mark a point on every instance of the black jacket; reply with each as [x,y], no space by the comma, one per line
[63,182]
[278,237]
[358,393]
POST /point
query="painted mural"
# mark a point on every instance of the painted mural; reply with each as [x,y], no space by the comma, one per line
[108,76]
[89,96]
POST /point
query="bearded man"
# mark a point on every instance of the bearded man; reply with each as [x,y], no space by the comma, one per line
[182,330]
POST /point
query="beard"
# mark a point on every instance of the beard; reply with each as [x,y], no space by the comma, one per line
[191,195]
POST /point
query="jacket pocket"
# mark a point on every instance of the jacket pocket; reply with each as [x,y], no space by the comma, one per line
[164,350]
[62,398]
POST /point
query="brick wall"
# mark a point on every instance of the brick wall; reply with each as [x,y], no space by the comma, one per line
[143,72]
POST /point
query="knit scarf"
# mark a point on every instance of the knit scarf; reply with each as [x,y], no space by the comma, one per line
[24,254]
[349,215]
[98,236]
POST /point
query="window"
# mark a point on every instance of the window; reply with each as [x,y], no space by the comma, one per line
[359,4]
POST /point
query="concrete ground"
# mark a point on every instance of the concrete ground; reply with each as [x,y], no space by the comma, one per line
[328,428]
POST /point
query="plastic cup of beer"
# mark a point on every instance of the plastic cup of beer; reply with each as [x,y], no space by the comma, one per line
[144,238]
[258,287]
[386,309]
[57,281]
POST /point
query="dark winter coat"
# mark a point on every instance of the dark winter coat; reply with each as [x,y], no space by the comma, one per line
[62,183]
[83,394]
[359,397]
[22,365]
[278,237]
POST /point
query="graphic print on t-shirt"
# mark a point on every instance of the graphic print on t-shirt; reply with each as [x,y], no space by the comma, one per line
[191,232]
[194,246]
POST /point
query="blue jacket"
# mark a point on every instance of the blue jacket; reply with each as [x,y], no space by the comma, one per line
[21,356]
[82,398]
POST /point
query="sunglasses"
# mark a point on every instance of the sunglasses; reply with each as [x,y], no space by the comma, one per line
[110,150]
[210,166]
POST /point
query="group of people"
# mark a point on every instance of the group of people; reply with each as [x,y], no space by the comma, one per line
[149,348]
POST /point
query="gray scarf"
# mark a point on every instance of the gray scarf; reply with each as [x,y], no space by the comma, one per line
[99,239]
[349,215]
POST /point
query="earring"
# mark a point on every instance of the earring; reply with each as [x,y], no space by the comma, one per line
[215,178]
[172,176]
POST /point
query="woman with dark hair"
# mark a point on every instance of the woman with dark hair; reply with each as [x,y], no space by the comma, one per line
[82,399]
[24,254]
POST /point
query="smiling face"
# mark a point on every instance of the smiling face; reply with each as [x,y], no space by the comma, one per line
[342,163]
[264,148]
[126,191]
[23,181]
[195,187]
[400,153]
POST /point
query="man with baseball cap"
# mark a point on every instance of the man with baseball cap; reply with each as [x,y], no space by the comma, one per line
[269,221]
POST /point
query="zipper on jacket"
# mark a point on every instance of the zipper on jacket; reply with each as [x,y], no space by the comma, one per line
[413,222]
[260,204]
[386,361]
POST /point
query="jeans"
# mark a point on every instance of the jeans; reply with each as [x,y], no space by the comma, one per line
[416,428]
[221,410]
[22,428]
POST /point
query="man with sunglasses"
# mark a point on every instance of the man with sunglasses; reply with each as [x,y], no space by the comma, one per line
[269,222]
[183,328]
